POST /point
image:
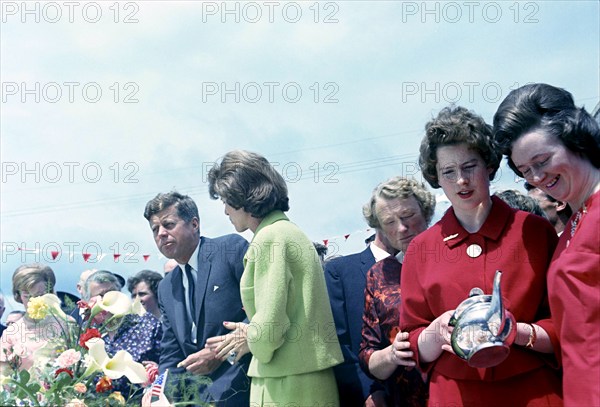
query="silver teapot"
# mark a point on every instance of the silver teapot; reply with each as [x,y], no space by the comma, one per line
[483,329]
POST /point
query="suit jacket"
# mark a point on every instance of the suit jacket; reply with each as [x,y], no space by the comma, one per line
[220,263]
[346,280]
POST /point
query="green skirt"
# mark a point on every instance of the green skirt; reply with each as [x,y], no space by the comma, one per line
[314,389]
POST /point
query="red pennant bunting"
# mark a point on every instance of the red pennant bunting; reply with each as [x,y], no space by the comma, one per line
[86,256]
[346,237]
[116,256]
[54,254]
[325,241]
[145,256]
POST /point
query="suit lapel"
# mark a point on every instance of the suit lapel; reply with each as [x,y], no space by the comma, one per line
[367,260]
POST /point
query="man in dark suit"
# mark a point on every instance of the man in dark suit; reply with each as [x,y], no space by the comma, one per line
[196,298]
[346,278]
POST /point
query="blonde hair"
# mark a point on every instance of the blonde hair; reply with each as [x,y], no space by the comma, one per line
[28,275]
[400,187]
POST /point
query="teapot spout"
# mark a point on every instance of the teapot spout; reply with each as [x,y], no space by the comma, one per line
[496,316]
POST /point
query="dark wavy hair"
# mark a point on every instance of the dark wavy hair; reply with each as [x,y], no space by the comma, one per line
[544,107]
[247,180]
[186,207]
[456,125]
[150,277]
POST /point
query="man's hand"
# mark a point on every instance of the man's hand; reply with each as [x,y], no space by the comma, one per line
[202,362]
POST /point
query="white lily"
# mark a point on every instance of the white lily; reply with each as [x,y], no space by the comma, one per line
[114,302]
[122,364]
[137,307]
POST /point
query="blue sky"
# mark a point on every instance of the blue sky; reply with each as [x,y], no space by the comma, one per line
[136,98]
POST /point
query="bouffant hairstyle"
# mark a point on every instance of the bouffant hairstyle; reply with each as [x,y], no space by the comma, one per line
[186,207]
[457,125]
[247,180]
[399,187]
[28,275]
[552,110]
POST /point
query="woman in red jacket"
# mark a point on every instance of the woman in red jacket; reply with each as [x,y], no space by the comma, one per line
[478,235]
[556,147]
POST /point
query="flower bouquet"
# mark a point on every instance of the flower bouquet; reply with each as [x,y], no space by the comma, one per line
[73,368]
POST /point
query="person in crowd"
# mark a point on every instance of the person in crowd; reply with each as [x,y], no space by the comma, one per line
[76,312]
[345,277]
[555,146]
[321,251]
[283,289]
[138,335]
[145,285]
[346,280]
[2,308]
[197,297]
[478,235]
[82,278]
[557,212]
[517,200]
[399,209]
[26,338]
[13,317]
[100,284]
[169,266]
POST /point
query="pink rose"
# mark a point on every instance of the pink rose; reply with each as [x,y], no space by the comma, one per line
[68,358]
[76,403]
[80,388]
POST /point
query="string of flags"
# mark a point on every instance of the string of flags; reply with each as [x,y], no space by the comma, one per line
[88,256]
[346,236]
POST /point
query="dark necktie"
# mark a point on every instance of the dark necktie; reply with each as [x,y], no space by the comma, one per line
[191,290]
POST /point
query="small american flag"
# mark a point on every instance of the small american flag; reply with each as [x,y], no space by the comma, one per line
[158,387]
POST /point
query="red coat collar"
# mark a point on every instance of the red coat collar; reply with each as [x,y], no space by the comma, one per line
[492,228]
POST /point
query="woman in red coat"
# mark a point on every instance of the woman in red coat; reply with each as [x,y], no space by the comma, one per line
[478,235]
[556,147]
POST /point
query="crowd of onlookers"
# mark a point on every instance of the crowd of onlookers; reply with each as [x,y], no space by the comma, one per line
[264,322]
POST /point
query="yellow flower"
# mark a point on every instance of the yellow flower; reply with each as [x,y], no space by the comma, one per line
[40,307]
[122,364]
[4,380]
[37,308]
[116,396]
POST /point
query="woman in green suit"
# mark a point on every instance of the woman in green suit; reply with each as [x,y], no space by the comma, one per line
[291,333]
